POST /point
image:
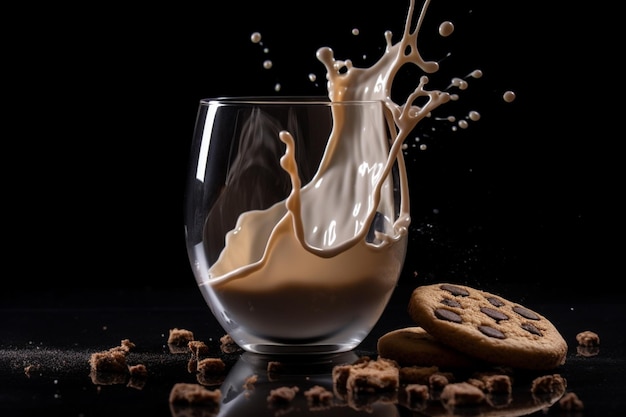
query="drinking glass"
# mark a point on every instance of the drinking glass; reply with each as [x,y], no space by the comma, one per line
[296,213]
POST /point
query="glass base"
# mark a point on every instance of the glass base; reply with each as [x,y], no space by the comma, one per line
[273,349]
[337,343]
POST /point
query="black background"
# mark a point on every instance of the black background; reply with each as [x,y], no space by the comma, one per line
[101,100]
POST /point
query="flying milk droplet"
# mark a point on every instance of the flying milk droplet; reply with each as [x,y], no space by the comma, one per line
[509,96]
[446,28]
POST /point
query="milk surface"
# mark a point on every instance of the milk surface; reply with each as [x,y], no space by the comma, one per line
[304,269]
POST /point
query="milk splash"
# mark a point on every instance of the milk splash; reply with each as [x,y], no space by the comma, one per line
[347,83]
[316,241]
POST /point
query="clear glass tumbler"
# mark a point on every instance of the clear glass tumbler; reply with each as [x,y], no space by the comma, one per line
[296,215]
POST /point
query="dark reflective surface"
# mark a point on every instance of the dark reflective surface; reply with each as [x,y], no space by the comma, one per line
[47,340]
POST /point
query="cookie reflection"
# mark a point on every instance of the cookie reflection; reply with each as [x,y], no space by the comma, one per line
[269,386]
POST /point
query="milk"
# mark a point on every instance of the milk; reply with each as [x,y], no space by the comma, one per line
[303,270]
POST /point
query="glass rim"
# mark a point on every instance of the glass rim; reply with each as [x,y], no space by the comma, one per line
[280,100]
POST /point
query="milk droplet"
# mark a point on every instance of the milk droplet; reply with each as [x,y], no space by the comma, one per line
[255,37]
[476,74]
[474,115]
[509,96]
[267,64]
[423,147]
[355,31]
[463,124]
[446,28]
[277,87]
[460,83]
[312,77]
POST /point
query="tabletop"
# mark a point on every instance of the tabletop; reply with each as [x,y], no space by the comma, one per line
[47,341]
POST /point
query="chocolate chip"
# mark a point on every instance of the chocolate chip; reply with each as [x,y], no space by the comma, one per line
[491,332]
[454,290]
[448,315]
[450,303]
[524,312]
[494,314]
[495,301]
[530,328]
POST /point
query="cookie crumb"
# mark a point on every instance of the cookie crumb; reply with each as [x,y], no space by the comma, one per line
[228,345]
[340,378]
[438,381]
[461,394]
[571,402]
[318,397]
[198,347]
[248,384]
[138,375]
[274,368]
[415,397]
[548,384]
[282,395]
[211,371]
[373,376]
[211,365]
[416,394]
[179,337]
[126,345]
[139,370]
[588,343]
[110,366]
[588,338]
[498,384]
[194,394]
[111,360]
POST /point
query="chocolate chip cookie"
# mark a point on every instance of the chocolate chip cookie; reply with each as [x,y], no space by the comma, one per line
[487,327]
[414,346]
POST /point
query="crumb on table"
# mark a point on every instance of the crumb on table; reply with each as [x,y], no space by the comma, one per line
[461,394]
[548,384]
[282,395]
[198,347]
[194,394]
[588,338]
[180,337]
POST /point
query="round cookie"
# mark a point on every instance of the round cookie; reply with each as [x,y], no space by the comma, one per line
[487,326]
[413,346]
